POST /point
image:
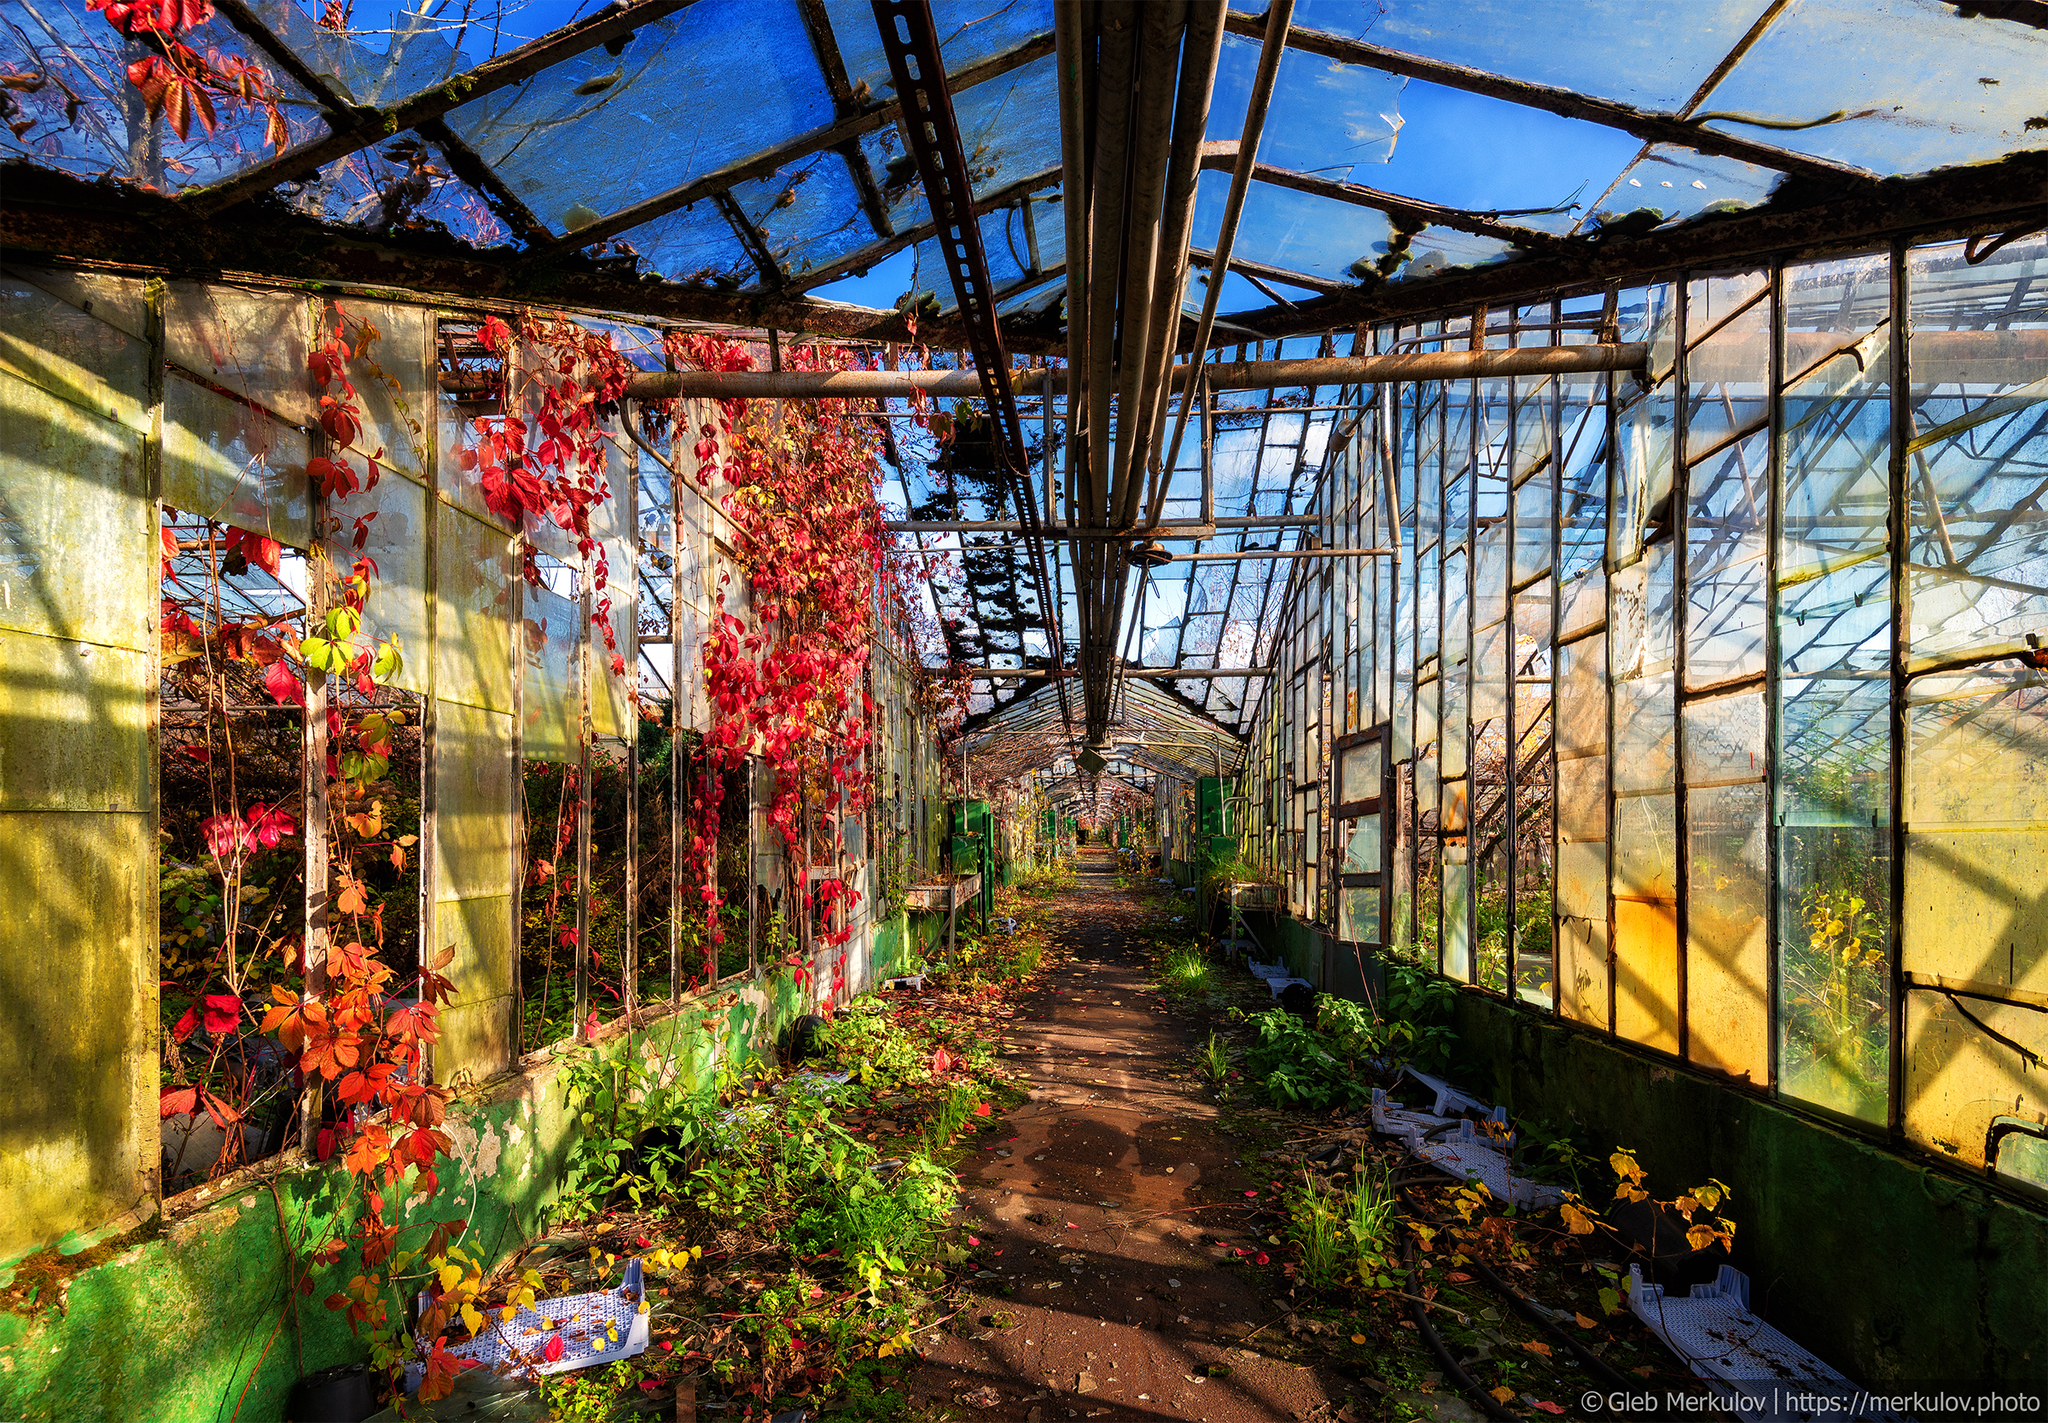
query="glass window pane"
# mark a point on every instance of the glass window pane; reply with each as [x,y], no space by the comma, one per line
[1362,854]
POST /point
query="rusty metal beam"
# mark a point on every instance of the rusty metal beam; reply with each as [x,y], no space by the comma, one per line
[910,40]
[1653,127]
[469,166]
[861,258]
[1325,286]
[374,125]
[752,239]
[53,216]
[825,44]
[1953,202]
[1221,156]
[1225,375]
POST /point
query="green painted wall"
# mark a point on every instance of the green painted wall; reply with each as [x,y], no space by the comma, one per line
[1886,1266]
[192,1317]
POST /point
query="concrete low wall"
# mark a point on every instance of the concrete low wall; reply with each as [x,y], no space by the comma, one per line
[1888,1266]
[193,1316]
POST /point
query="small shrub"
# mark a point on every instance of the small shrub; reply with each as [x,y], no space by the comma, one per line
[1186,971]
[1215,1060]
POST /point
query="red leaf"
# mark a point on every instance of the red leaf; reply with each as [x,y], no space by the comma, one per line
[223,1011]
[284,685]
[552,1350]
[981,1110]
[324,1143]
[942,1061]
[177,1100]
[187,1025]
[1545,1405]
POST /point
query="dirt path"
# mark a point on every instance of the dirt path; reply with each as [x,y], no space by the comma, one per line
[1107,1198]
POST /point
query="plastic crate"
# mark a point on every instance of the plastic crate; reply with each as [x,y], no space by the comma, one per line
[586,1324]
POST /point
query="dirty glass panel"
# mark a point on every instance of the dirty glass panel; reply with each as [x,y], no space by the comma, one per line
[50,340]
[1727,490]
[1362,846]
[586,138]
[1727,963]
[77,879]
[1581,811]
[394,377]
[478,592]
[75,529]
[469,405]
[476,812]
[1889,102]
[228,462]
[551,698]
[611,857]
[1833,734]
[1360,907]
[1456,691]
[1641,486]
[1457,921]
[1361,772]
[1977,812]
[1534,804]
[1976,913]
[1977,454]
[1582,478]
[1429,826]
[1644,863]
[1680,183]
[253,344]
[230,873]
[390,520]
[1960,1077]
[1652,55]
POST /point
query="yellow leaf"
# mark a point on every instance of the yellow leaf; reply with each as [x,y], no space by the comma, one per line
[472,1320]
[1701,1236]
[1537,1346]
[888,1348]
[1358,1338]
[450,1276]
[1624,1164]
[508,1314]
[1585,1323]
[1576,1220]
[1501,1394]
[1709,1195]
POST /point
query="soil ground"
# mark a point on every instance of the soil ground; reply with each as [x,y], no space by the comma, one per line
[1114,1198]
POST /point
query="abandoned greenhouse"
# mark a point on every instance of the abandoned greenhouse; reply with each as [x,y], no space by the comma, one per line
[1042,709]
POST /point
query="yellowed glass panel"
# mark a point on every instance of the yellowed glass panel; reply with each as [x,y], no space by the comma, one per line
[1959,1076]
[478,593]
[54,345]
[397,387]
[226,461]
[476,802]
[78,958]
[74,725]
[252,343]
[394,534]
[78,543]
[551,696]
[1646,972]
[476,1029]
[1582,932]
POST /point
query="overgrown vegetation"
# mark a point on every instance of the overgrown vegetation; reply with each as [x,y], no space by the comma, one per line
[791,1223]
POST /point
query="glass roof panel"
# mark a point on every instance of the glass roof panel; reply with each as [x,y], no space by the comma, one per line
[406,184]
[598,133]
[1916,85]
[1316,236]
[1009,130]
[970,31]
[1650,53]
[1683,184]
[383,51]
[78,120]
[693,245]
[1326,116]
[809,213]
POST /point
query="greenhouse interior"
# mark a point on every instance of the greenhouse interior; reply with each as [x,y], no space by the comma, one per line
[1384,654]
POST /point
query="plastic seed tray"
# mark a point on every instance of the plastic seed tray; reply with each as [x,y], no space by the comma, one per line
[1462,1147]
[596,1328]
[1762,1376]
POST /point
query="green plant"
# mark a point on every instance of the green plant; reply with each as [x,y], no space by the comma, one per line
[1345,1236]
[1186,971]
[587,1396]
[1215,1059]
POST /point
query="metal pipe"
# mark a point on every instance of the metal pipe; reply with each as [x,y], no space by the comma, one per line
[1222,375]
[1284,553]
[1279,16]
[1071,47]
[1201,52]
[1151,150]
[1149,674]
[1171,529]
